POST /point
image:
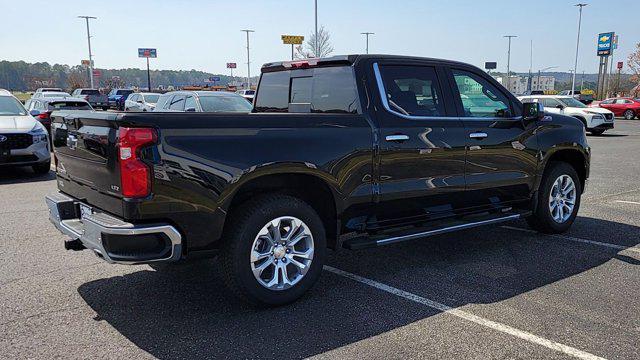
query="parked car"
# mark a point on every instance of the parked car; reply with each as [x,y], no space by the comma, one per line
[41,90]
[42,108]
[23,140]
[141,102]
[578,95]
[117,97]
[203,101]
[247,94]
[627,107]
[595,120]
[384,148]
[94,97]
[50,94]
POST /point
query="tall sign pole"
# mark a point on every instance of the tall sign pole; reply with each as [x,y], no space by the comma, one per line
[575,65]
[366,34]
[509,61]
[248,59]
[89,42]
[316,33]
[605,48]
[292,40]
[148,53]
[231,66]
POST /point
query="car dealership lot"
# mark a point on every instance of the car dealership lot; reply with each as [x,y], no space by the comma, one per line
[493,292]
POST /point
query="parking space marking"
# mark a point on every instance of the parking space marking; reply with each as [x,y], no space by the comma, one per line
[628,202]
[527,336]
[575,239]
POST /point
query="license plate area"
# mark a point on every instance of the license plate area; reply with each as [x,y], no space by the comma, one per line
[85,211]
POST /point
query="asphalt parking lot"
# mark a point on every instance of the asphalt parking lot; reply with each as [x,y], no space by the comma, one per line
[489,293]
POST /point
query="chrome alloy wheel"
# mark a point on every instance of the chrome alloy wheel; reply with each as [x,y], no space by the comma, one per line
[281,253]
[562,199]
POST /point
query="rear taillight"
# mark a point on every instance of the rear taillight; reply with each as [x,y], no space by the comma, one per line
[135,175]
[44,117]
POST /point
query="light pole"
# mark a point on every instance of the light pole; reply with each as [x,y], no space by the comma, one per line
[575,66]
[509,60]
[366,34]
[89,42]
[316,33]
[248,60]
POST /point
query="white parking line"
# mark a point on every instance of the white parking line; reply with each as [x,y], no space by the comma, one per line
[628,202]
[575,239]
[567,350]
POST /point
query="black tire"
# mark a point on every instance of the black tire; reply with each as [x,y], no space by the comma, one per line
[629,115]
[596,131]
[105,108]
[42,168]
[542,219]
[244,225]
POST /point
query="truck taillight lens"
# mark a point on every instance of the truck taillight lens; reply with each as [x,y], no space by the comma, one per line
[135,175]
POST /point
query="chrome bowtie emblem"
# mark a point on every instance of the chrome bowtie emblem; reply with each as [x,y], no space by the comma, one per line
[72,142]
[3,138]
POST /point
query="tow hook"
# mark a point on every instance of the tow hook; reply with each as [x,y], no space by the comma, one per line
[75,245]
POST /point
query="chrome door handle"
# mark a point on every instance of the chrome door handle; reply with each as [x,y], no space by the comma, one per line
[397,137]
[478,135]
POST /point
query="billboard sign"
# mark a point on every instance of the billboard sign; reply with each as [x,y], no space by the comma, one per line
[85,62]
[615,42]
[605,43]
[292,39]
[231,65]
[97,73]
[490,65]
[214,78]
[620,65]
[147,53]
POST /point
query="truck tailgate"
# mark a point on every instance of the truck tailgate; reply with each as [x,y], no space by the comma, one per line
[85,147]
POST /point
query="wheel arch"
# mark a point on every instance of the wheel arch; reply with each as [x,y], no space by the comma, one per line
[572,156]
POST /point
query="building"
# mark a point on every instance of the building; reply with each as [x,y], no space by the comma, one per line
[544,83]
[520,84]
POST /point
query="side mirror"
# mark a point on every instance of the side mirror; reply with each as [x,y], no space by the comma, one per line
[34,112]
[139,101]
[190,109]
[559,107]
[532,111]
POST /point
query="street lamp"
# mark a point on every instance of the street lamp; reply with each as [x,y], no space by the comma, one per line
[575,66]
[248,59]
[89,42]
[509,60]
[366,34]
[316,33]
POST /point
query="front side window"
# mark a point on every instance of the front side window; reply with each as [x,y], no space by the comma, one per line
[571,102]
[177,103]
[479,97]
[550,103]
[9,106]
[151,98]
[190,103]
[412,90]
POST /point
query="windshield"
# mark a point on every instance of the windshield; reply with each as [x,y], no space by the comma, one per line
[224,104]
[571,102]
[70,105]
[10,106]
[151,98]
[90,92]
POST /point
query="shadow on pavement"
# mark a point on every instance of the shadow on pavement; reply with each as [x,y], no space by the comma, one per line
[183,311]
[24,174]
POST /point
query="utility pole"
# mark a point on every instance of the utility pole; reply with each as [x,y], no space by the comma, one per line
[531,66]
[89,42]
[316,33]
[582,81]
[509,61]
[248,60]
[575,66]
[366,34]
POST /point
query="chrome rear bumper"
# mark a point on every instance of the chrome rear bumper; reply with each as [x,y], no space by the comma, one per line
[94,229]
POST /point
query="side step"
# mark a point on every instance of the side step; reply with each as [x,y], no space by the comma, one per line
[363,242]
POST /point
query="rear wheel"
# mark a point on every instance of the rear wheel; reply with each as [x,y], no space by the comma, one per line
[558,199]
[629,115]
[274,250]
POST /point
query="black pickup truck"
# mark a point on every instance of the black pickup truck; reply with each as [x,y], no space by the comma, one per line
[345,152]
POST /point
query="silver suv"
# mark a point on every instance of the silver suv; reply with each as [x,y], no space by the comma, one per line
[23,139]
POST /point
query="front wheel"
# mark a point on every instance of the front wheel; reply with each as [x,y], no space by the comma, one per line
[597,131]
[629,115]
[273,250]
[558,199]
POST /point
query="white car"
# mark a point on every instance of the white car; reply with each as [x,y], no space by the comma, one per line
[141,102]
[23,140]
[596,120]
[247,94]
[50,94]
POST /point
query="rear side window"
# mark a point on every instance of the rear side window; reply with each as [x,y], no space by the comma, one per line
[327,90]
[90,92]
[177,103]
[412,90]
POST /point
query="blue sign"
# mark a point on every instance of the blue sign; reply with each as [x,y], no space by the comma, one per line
[605,43]
[147,53]
[214,78]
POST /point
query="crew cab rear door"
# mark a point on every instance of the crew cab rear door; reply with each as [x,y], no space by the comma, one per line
[501,150]
[422,144]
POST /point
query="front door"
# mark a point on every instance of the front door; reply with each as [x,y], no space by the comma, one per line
[502,150]
[422,145]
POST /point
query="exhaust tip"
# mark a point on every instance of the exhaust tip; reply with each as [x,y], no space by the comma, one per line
[75,245]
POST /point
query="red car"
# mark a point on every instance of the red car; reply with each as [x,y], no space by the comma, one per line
[626,107]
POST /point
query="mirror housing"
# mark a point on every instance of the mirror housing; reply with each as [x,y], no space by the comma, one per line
[559,107]
[532,111]
[190,109]
[34,112]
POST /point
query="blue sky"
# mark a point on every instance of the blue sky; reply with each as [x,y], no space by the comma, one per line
[205,35]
